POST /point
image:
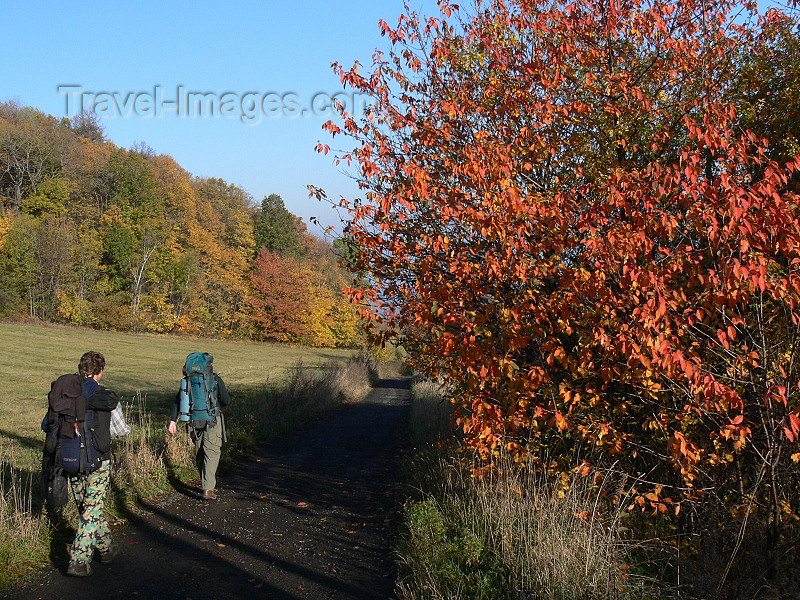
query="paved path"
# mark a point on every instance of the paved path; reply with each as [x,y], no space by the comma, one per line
[311,516]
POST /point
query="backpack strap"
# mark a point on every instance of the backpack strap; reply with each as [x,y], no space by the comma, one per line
[57,470]
[80,431]
[211,392]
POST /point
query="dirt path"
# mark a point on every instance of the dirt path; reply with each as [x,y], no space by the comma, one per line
[312,516]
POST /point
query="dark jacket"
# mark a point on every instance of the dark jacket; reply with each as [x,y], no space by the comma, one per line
[102,401]
[70,396]
[66,399]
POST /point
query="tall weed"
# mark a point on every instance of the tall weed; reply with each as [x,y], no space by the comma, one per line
[145,460]
[518,533]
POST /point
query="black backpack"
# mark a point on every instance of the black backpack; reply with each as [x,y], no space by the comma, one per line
[54,481]
[78,455]
[70,440]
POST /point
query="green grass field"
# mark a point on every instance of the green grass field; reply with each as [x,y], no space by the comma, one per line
[32,356]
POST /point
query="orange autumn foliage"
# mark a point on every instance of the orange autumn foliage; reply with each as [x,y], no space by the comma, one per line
[564,220]
[279,304]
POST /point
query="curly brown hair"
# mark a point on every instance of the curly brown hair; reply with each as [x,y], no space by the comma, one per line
[91,363]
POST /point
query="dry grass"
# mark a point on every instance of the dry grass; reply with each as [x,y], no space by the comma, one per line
[431,415]
[23,531]
[143,458]
[542,531]
[517,534]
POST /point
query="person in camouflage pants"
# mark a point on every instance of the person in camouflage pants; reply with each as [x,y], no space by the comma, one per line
[93,530]
[90,489]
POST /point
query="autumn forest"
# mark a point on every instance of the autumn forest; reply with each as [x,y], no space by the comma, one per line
[96,235]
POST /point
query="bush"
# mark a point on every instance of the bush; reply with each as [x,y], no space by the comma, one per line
[442,558]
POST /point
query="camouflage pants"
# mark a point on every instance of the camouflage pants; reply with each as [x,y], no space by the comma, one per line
[93,530]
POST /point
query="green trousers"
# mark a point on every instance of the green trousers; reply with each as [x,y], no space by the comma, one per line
[208,443]
[93,530]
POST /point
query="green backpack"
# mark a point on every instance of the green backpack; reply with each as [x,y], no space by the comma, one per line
[199,396]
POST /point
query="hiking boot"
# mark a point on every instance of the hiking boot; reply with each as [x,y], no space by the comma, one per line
[209,495]
[79,569]
[107,556]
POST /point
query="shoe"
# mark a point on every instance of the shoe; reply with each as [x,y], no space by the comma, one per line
[209,495]
[79,569]
[107,556]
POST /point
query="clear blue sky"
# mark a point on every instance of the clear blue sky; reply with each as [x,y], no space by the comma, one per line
[166,49]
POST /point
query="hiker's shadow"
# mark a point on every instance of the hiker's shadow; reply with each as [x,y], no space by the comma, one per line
[27,487]
[62,536]
[190,491]
[173,472]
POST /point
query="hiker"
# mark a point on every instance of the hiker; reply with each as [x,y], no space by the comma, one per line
[198,402]
[80,407]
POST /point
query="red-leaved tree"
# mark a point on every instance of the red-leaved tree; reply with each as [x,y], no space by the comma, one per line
[565,220]
[279,304]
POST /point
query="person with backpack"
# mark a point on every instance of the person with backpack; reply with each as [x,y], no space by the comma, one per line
[199,401]
[78,427]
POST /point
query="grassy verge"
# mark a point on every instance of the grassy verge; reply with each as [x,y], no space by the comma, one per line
[518,535]
[274,389]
